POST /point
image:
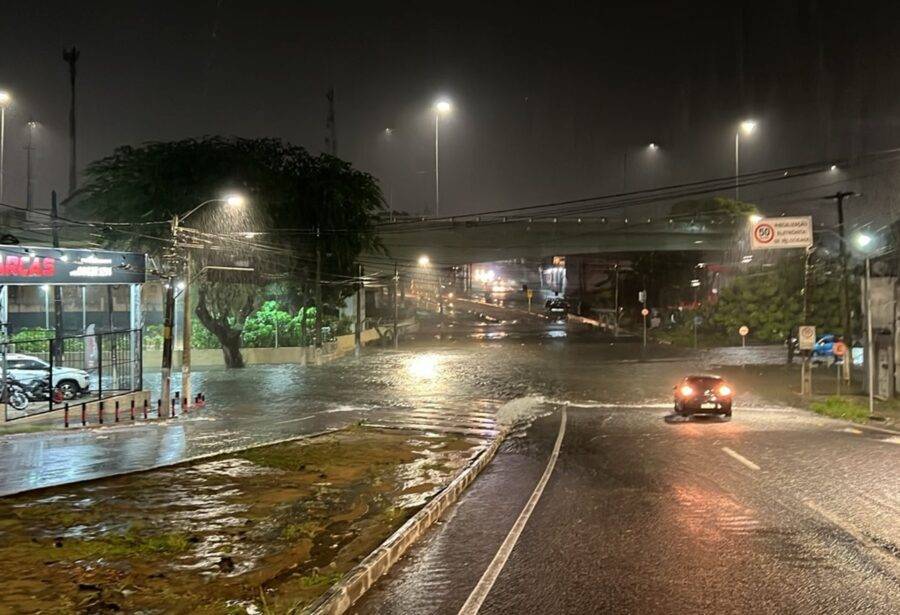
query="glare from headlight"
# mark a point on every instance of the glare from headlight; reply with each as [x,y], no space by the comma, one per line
[686,391]
[724,390]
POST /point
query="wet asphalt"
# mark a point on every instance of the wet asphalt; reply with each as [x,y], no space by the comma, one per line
[648,514]
[775,511]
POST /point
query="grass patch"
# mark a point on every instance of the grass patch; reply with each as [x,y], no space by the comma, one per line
[307,529]
[130,544]
[841,408]
[315,579]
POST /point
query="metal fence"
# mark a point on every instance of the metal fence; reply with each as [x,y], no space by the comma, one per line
[41,375]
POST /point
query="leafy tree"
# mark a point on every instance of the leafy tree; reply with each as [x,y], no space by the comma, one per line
[769,300]
[316,203]
[717,209]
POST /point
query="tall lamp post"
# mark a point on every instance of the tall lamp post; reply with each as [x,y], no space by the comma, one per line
[866,243]
[232,201]
[747,127]
[5,100]
[441,107]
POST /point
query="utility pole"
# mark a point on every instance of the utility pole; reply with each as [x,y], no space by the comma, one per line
[845,280]
[806,367]
[318,292]
[71,57]
[396,304]
[169,321]
[57,290]
[29,169]
[186,333]
[360,289]
[331,138]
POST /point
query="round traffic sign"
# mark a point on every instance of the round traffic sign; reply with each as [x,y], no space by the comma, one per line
[645,312]
[764,233]
[744,330]
[840,349]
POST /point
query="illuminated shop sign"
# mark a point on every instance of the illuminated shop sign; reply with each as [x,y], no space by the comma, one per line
[21,265]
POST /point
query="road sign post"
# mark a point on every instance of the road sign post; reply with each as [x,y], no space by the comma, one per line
[529,293]
[744,330]
[645,312]
[806,338]
[840,352]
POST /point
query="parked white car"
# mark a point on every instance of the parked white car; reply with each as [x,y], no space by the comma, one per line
[70,381]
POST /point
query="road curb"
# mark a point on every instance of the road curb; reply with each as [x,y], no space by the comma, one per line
[343,595]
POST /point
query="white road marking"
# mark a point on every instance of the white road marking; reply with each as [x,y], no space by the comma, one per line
[302,418]
[851,430]
[894,440]
[740,458]
[476,598]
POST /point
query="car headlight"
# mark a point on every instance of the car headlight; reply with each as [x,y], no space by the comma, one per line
[725,390]
[686,391]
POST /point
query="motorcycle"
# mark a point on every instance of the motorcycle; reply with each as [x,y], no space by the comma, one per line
[15,394]
[19,395]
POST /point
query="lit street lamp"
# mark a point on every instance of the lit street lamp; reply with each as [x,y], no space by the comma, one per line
[424,261]
[747,127]
[5,100]
[866,243]
[441,107]
[232,201]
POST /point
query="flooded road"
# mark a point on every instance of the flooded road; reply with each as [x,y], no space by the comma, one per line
[464,365]
[777,510]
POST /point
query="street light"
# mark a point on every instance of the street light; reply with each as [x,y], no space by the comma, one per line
[747,127]
[232,201]
[866,243]
[441,107]
[755,218]
[424,261]
[5,101]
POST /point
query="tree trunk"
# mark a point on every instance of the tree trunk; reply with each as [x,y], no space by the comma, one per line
[229,338]
[231,350]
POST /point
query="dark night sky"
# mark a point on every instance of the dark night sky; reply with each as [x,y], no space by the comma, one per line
[547,99]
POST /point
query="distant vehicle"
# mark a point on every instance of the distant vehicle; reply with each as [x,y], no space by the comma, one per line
[822,350]
[70,381]
[557,309]
[703,395]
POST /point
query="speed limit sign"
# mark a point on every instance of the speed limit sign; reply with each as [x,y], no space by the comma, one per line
[744,330]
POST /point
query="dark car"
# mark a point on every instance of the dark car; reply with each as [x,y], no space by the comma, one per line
[703,395]
[557,309]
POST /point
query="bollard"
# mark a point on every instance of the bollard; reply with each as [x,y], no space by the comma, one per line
[173,408]
[117,411]
[132,408]
[159,408]
[66,415]
[100,413]
[83,414]
[146,403]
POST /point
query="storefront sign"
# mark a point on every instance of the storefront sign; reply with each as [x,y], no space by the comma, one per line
[21,265]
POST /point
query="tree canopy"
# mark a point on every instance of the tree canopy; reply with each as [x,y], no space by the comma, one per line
[296,202]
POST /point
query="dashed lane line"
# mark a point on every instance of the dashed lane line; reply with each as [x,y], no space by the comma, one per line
[476,598]
[740,458]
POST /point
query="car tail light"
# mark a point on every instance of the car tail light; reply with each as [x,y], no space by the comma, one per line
[686,391]
[725,390]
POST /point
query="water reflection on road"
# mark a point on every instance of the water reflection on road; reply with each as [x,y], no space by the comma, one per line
[464,367]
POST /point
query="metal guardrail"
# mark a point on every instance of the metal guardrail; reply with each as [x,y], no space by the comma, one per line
[74,369]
